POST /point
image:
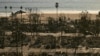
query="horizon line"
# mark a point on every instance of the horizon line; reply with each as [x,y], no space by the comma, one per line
[54,12]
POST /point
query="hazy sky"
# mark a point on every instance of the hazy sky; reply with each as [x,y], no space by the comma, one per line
[63,4]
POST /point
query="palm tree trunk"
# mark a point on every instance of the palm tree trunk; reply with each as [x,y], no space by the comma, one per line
[75,52]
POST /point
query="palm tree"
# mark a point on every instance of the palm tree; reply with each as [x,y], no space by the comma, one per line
[11,12]
[2,38]
[19,39]
[97,25]
[61,25]
[84,23]
[2,27]
[30,17]
[21,31]
[15,28]
[83,28]
[34,20]
[6,10]
[21,13]
[30,10]
[10,8]
[57,5]
[51,24]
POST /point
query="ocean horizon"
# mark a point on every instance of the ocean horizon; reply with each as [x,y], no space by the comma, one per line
[48,6]
[3,14]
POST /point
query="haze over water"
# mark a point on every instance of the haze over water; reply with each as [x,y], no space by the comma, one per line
[78,5]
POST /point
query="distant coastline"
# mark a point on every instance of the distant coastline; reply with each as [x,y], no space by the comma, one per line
[60,12]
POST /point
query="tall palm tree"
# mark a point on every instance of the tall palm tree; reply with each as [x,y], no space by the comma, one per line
[2,38]
[11,12]
[1,27]
[6,10]
[84,26]
[61,25]
[57,5]
[21,13]
[21,31]
[97,25]
[30,10]
[18,39]
[10,8]
[15,34]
